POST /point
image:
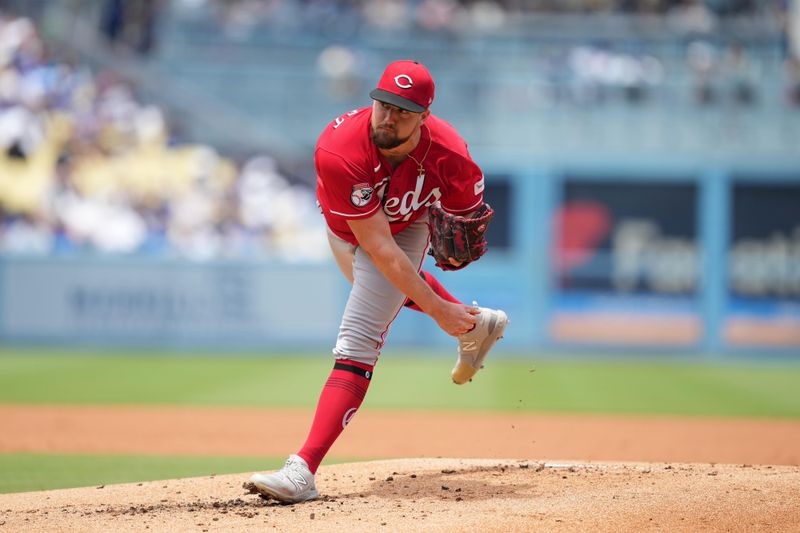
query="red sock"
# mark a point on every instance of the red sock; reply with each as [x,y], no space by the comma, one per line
[437,287]
[340,398]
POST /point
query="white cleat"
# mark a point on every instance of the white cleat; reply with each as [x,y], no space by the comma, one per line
[476,343]
[294,483]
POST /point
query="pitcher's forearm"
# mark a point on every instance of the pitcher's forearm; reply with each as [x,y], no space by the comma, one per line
[398,269]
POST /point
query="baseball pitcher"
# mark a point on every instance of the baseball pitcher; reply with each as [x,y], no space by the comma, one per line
[393,182]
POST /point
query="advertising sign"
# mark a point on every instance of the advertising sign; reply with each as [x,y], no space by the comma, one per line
[163,303]
[764,265]
[626,263]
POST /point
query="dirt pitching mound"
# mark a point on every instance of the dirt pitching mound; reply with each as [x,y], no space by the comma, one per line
[439,495]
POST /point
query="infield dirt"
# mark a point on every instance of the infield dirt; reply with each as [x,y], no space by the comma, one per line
[439,495]
[565,473]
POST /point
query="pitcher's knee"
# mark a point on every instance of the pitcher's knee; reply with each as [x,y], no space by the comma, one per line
[365,356]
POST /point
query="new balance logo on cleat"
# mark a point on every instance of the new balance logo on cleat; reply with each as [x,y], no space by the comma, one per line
[474,345]
[294,483]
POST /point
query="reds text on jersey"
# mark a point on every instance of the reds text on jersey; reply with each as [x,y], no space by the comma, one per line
[354,179]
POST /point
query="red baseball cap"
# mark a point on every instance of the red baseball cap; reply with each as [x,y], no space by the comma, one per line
[407,85]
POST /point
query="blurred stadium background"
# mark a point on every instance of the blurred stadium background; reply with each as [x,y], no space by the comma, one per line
[156,174]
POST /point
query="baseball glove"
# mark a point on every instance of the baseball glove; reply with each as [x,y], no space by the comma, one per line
[458,237]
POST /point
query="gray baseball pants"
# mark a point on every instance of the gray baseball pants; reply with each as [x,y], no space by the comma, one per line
[374,302]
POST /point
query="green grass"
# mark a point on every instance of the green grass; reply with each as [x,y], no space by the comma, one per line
[23,472]
[635,386]
[592,386]
[648,386]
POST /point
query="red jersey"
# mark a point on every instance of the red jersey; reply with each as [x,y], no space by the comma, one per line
[354,180]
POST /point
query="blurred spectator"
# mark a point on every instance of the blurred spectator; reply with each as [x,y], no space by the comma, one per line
[701,58]
[692,18]
[132,22]
[342,67]
[21,131]
[26,234]
[739,74]
[438,15]
[85,167]
[599,74]
[390,15]
[240,19]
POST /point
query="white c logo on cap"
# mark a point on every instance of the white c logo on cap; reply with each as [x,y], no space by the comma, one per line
[407,84]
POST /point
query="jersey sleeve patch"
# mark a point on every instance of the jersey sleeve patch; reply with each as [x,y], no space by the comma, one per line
[361,194]
[347,190]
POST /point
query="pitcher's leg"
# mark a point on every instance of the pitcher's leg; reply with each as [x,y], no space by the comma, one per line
[370,310]
[343,253]
[374,302]
[340,399]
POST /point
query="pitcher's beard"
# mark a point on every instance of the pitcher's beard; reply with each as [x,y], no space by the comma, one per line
[386,140]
